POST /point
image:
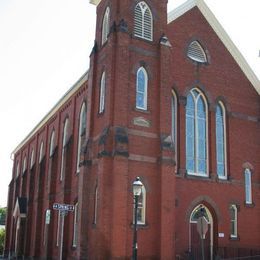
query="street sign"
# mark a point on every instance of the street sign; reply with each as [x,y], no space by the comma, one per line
[63,207]
[202,227]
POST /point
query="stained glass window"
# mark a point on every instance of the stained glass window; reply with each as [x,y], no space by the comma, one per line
[220,141]
[102,93]
[141,89]
[196,134]
[105,25]
[248,187]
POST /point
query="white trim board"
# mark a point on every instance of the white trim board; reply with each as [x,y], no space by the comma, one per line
[57,106]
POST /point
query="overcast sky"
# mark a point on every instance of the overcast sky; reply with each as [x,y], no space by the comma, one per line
[45,47]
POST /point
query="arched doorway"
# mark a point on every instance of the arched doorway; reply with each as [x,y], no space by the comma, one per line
[194,238]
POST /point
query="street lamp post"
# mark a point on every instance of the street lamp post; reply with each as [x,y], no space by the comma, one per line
[137,190]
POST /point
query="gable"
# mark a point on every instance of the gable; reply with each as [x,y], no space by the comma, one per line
[223,36]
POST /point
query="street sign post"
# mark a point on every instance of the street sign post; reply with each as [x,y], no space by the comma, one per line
[63,211]
[202,228]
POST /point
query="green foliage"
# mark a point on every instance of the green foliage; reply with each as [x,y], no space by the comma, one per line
[2,215]
[2,240]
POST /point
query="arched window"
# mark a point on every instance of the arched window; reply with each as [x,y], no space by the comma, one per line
[64,143]
[174,125]
[196,134]
[102,93]
[248,186]
[24,164]
[32,159]
[196,52]
[143,21]
[95,205]
[82,130]
[221,141]
[52,144]
[41,153]
[75,226]
[233,220]
[141,207]
[105,25]
[17,168]
[141,88]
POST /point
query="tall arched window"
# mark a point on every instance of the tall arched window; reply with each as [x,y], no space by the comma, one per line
[105,25]
[102,93]
[95,206]
[75,225]
[82,130]
[196,134]
[41,153]
[24,164]
[221,141]
[52,143]
[32,159]
[248,186]
[141,207]
[143,21]
[233,220]
[64,143]
[141,88]
[174,125]
[17,168]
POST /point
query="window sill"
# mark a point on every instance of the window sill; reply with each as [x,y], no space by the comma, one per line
[233,238]
[140,226]
[197,176]
[145,111]
[73,247]
[249,205]
[143,39]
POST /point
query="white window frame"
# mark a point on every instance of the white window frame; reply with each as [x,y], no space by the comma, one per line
[58,229]
[47,222]
[248,186]
[95,206]
[233,221]
[222,107]
[105,25]
[24,164]
[140,33]
[142,207]
[142,69]
[17,168]
[64,142]
[32,159]
[52,143]
[174,127]
[75,226]
[41,153]
[195,99]
[81,132]
[102,93]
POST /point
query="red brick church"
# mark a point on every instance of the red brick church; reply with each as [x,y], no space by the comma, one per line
[168,98]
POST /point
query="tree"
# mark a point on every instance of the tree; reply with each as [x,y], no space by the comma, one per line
[2,240]
[2,215]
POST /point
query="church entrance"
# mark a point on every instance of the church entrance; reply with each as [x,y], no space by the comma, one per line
[196,245]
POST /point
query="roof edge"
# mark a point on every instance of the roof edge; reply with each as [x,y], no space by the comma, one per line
[55,108]
[221,33]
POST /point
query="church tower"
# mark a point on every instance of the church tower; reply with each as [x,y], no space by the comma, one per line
[127,85]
